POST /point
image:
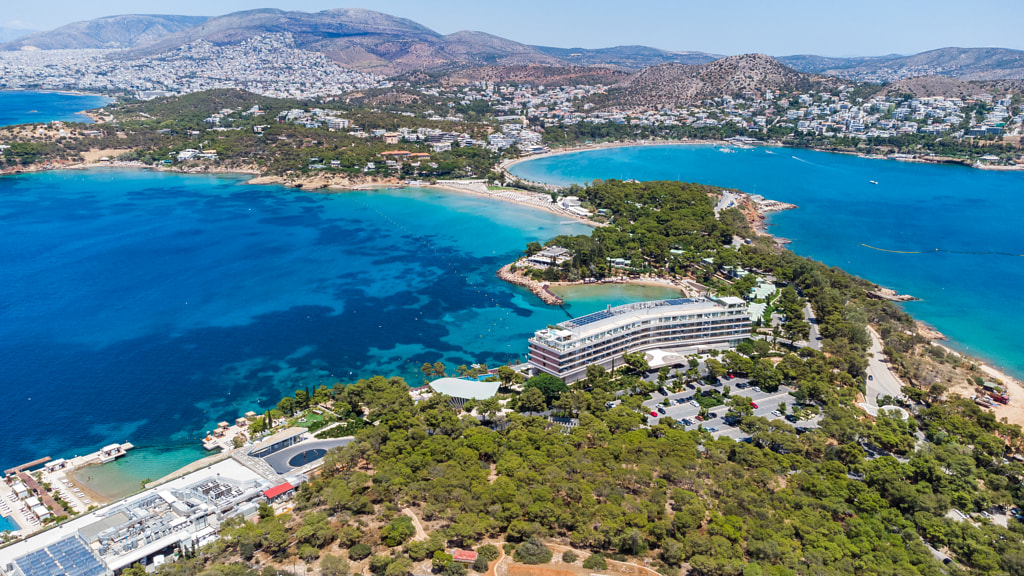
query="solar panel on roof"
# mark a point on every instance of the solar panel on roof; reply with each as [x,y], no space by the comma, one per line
[591,318]
[677,301]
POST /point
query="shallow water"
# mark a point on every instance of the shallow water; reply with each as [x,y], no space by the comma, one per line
[146,307]
[18,107]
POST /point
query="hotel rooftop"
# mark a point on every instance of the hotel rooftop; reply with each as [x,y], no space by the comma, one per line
[566,349]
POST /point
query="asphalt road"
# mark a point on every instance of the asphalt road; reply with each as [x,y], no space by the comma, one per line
[815,337]
[881,381]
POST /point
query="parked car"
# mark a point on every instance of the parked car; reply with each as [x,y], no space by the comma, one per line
[870,377]
[754,405]
[691,386]
[680,401]
[653,413]
[661,409]
[712,429]
[694,404]
[755,389]
[791,418]
[776,413]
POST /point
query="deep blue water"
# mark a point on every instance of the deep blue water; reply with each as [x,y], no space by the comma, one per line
[146,306]
[18,107]
[973,299]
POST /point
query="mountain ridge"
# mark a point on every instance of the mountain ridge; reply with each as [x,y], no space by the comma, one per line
[372,41]
[119,32]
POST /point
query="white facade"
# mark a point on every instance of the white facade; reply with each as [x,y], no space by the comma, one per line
[603,337]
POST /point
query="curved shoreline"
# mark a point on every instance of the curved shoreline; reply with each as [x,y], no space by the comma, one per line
[985,364]
[939,160]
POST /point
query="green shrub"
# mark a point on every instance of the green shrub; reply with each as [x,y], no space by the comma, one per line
[359,551]
[488,552]
[397,531]
[569,557]
[533,551]
[378,564]
[595,562]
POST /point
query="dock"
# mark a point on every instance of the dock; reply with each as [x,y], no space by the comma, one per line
[26,466]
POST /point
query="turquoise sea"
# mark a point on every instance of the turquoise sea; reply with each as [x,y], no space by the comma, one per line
[146,306]
[972,298]
[23,107]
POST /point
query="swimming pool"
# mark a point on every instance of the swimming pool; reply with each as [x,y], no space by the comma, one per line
[8,524]
[306,457]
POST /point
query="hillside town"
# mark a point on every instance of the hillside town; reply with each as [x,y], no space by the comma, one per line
[268,65]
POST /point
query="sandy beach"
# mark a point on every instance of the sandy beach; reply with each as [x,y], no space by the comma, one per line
[76,478]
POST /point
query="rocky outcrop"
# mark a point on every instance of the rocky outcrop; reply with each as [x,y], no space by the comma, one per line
[541,290]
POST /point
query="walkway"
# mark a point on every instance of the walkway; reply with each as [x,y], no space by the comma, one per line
[881,381]
[815,337]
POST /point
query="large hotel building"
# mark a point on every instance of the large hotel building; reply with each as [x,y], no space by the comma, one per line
[603,337]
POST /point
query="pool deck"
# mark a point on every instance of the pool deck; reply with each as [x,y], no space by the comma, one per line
[279,460]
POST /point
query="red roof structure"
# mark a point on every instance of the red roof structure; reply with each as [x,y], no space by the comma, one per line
[277,490]
[467,556]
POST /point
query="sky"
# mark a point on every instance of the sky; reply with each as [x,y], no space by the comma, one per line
[776,27]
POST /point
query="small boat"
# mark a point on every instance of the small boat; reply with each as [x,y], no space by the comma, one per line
[874,182]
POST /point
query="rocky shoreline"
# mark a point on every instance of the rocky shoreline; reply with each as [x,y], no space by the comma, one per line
[541,290]
[891,295]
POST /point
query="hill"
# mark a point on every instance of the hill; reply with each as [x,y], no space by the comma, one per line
[633,57]
[924,86]
[9,34]
[820,64]
[962,63]
[359,39]
[128,31]
[670,84]
[535,74]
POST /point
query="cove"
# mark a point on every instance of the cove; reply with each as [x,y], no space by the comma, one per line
[972,298]
[147,306]
[21,107]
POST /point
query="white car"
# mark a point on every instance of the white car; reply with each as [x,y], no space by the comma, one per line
[755,389]
[694,404]
[776,413]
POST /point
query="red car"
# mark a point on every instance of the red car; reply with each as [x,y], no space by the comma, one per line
[753,405]
[653,413]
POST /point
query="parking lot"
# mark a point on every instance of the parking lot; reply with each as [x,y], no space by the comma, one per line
[767,402]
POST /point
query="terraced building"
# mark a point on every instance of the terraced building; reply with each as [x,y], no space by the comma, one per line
[603,337]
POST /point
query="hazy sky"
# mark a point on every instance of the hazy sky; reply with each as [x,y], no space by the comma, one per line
[777,27]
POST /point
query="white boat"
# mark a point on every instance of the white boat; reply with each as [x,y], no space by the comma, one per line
[874,182]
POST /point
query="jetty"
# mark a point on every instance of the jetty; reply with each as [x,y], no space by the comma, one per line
[43,489]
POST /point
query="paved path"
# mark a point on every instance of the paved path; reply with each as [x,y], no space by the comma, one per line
[727,200]
[421,534]
[815,337]
[881,381]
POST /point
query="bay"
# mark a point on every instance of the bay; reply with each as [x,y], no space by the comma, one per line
[26,107]
[972,298]
[147,306]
